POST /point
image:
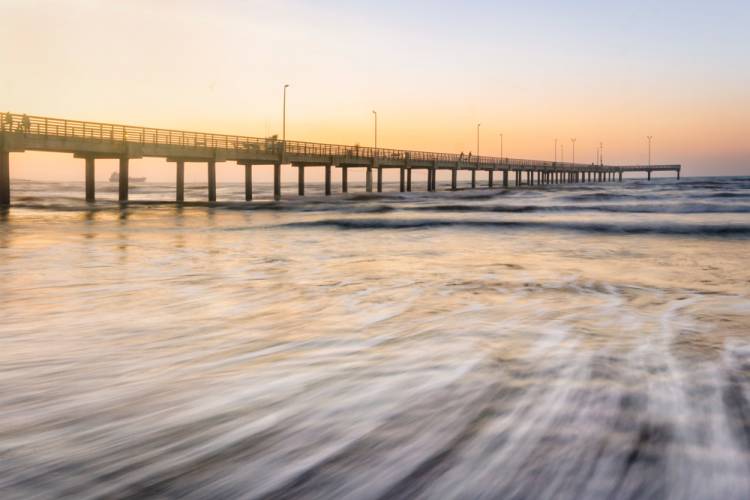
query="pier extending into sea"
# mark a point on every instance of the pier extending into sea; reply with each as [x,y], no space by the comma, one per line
[90,141]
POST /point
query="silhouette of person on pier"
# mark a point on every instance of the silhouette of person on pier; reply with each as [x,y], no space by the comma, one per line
[25,124]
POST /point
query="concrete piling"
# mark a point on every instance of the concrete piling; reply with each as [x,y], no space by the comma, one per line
[328,180]
[123,180]
[301,180]
[248,182]
[368,180]
[180,181]
[4,178]
[344,180]
[211,181]
[90,187]
[277,181]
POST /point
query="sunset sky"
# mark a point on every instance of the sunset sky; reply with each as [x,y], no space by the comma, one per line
[535,71]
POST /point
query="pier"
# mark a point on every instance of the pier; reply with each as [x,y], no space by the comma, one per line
[91,141]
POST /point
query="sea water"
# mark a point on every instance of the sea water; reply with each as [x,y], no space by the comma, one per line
[570,341]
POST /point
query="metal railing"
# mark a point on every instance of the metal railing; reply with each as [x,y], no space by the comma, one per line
[57,127]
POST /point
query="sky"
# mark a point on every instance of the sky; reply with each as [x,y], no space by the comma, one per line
[535,71]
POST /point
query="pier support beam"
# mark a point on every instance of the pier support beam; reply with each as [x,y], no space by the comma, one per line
[211,181]
[380,179]
[678,175]
[180,181]
[123,180]
[402,179]
[368,180]
[620,177]
[344,180]
[90,188]
[473,179]
[649,175]
[505,178]
[408,180]
[248,182]
[301,180]
[430,174]
[490,178]
[4,178]
[328,180]
[277,181]
[454,179]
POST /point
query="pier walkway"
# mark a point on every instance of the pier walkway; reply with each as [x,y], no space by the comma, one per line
[91,141]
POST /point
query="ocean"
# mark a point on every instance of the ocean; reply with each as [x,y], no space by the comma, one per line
[568,342]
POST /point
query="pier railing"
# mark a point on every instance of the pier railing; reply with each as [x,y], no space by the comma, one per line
[57,127]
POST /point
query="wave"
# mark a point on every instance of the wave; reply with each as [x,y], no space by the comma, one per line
[692,208]
[723,230]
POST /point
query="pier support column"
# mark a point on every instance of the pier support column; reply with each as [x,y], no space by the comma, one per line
[490,178]
[368,180]
[430,173]
[454,179]
[180,181]
[344,180]
[473,179]
[301,180]
[248,182]
[277,181]
[4,178]
[408,180]
[211,181]
[328,180]
[505,178]
[678,175]
[90,188]
[401,179]
[380,179]
[649,175]
[123,180]
[620,177]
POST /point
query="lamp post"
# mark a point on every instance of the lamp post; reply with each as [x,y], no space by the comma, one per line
[555,150]
[649,137]
[601,154]
[283,126]
[375,114]
[562,153]
[573,140]
[501,145]
[478,125]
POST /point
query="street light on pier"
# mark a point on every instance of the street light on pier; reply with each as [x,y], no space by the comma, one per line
[283,126]
[649,137]
[601,154]
[573,140]
[501,145]
[375,114]
[478,125]
[555,150]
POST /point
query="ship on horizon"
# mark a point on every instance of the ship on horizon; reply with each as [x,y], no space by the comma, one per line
[115,177]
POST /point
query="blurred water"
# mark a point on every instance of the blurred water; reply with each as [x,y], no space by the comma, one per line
[586,341]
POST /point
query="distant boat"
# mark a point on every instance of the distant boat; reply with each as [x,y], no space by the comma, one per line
[115,177]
